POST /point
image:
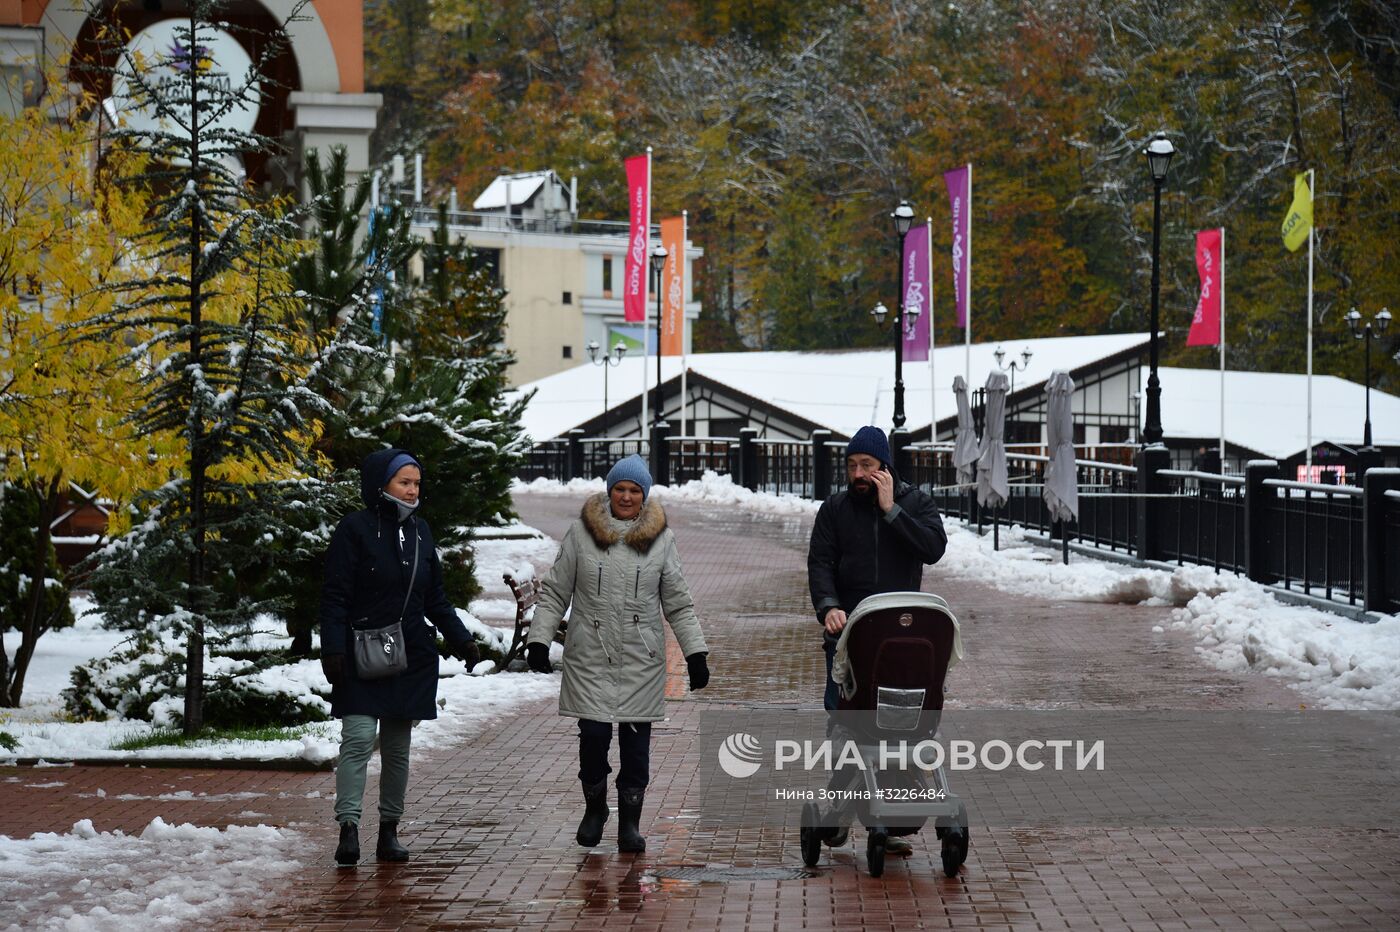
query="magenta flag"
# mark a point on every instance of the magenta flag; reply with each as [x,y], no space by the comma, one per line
[959,182]
[918,292]
[1205,326]
[634,283]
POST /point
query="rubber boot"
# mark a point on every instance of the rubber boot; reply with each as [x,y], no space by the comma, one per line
[595,814]
[388,848]
[629,814]
[347,853]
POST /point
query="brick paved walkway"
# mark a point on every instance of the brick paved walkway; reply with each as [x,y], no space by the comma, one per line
[491,821]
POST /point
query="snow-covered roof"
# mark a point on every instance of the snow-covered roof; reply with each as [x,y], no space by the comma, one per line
[522,187]
[840,389]
[1267,411]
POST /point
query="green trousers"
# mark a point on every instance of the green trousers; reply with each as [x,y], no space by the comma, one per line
[356,747]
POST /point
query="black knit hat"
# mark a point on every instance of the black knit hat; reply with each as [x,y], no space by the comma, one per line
[871,440]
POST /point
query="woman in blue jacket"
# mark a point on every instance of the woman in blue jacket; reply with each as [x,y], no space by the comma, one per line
[381,567]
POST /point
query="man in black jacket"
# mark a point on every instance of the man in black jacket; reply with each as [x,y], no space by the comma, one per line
[874,536]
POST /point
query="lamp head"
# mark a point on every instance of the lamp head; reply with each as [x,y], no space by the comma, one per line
[1000,355]
[658,258]
[592,350]
[1382,319]
[1353,320]
[879,312]
[912,313]
[619,350]
[1025,357]
[1159,154]
[903,217]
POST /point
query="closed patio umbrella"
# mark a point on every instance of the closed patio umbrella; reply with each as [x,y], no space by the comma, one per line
[1061,488]
[993,486]
[965,440]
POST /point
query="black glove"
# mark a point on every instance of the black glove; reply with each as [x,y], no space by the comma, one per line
[699,671]
[333,666]
[467,652]
[537,656]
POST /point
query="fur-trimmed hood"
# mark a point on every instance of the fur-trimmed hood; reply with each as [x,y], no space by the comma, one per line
[596,515]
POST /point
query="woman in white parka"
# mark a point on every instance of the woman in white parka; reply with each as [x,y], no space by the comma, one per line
[619,568]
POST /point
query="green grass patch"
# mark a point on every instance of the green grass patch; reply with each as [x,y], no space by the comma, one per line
[168,737]
[8,741]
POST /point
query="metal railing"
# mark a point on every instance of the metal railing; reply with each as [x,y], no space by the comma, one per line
[1317,531]
[557,225]
[1204,522]
[600,453]
[692,457]
[784,466]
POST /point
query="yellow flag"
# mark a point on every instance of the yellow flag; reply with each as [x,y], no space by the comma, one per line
[1299,219]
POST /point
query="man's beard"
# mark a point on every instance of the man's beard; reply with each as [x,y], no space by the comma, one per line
[862,488]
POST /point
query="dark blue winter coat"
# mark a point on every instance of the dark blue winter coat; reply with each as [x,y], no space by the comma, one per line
[366,578]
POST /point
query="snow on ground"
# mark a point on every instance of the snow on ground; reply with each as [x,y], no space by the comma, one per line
[1237,624]
[168,876]
[466,702]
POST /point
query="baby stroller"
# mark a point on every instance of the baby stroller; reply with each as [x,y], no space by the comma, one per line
[890,663]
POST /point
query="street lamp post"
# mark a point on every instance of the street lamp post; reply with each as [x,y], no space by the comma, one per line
[903,217]
[1015,366]
[658,266]
[1361,331]
[1159,154]
[607,361]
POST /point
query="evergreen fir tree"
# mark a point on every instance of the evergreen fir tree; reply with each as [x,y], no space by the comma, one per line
[212,326]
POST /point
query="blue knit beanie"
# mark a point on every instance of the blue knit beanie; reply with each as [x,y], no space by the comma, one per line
[871,440]
[397,463]
[633,469]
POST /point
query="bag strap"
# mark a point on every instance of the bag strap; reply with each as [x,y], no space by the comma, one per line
[411,576]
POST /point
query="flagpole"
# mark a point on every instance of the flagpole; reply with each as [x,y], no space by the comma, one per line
[680,267]
[1222,350]
[967,286]
[933,382]
[1311,224]
[646,301]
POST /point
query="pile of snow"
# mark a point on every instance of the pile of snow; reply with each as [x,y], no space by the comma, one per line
[169,876]
[1238,624]
[711,489]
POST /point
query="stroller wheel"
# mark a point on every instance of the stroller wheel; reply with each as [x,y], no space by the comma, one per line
[875,853]
[811,835]
[954,850]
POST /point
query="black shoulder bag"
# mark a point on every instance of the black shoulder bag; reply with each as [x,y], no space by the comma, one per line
[380,652]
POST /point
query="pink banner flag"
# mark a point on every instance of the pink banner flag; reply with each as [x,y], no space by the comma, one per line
[634,284]
[1205,326]
[918,292]
[959,182]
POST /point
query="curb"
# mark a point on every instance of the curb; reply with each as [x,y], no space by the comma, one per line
[293,764]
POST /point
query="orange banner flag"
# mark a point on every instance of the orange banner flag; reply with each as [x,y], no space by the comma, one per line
[673,287]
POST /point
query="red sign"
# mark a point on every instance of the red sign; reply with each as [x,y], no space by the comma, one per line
[1210,264]
[634,283]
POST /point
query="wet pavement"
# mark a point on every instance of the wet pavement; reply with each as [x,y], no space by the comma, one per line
[491,821]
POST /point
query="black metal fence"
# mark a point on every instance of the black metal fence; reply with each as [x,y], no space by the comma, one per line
[1334,541]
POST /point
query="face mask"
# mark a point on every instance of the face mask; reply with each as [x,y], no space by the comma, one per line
[404,508]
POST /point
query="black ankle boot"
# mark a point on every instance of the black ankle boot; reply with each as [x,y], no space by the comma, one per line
[595,814]
[347,853]
[629,814]
[388,848]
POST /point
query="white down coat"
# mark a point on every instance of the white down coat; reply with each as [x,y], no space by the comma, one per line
[620,587]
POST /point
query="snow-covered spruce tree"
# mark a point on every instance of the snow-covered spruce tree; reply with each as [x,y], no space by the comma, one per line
[414,364]
[211,324]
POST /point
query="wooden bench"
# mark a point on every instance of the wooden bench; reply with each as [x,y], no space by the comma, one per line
[526,593]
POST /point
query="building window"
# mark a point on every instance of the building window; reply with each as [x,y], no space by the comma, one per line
[607,276]
[568,297]
[568,351]
[727,426]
